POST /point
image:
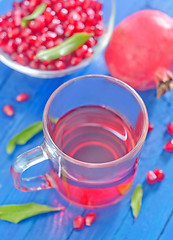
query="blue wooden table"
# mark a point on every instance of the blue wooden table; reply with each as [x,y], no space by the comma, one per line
[155,220]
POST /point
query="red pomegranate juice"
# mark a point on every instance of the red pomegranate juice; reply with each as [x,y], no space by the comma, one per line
[93,134]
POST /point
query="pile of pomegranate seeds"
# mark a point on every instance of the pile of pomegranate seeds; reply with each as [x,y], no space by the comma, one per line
[154,176]
[79,221]
[60,20]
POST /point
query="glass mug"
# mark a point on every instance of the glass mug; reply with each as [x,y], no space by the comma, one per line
[94,128]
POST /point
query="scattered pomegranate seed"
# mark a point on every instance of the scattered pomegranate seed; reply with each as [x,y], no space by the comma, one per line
[22,97]
[60,20]
[170,128]
[169,146]
[8,110]
[159,174]
[150,127]
[151,177]
[90,218]
[78,222]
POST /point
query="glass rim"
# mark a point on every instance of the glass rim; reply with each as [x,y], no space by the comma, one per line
[106,164]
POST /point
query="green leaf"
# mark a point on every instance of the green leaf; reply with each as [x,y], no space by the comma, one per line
[17,213]
[68,46]
[37,12]
[24,136]
[136,200]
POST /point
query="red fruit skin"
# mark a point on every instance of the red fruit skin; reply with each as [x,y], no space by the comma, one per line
[151,177]
[90,218]
[136,51]
[78,222]
[169,146]
[8,110]
[22,97]
[159,174]
[170,128]
[150,127]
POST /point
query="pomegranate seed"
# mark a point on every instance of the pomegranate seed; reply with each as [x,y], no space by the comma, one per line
[14,56]
[75,60]
[62,15]
[73,17]
[26,32]
[8,110]
[50,44]
[91,42]
[159,174]
[150,127]
[170,128]
[50,36]
[98,6]
[79,2]
[80,52]
[57,7]
[22,48]
[89,29]
[70,4]
[22,59]
[16,4]
[42,67]
[33,64]
[98,30]
[79,27]
[59,30]
[90,218]
[58,41]
[49,14]
[14,33]
[83,17]
[32,39]
[60,65]
[51,67]
[78,222]
[3,38]
[69,30]
[90,16]
[86,4]
[22,97]
[151,177]
[55,22]
[30,54]
[18,41]
[11,46]
[169,146]
[44,30]
[89,53]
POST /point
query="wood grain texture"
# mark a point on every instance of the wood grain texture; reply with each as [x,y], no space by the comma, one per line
[155,219]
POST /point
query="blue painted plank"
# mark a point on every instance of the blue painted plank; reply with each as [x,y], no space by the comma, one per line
[4,73]
[167,230]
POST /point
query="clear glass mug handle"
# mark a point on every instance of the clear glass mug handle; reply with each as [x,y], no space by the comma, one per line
[25,161]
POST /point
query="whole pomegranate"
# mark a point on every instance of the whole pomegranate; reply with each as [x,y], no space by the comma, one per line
[140,51]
